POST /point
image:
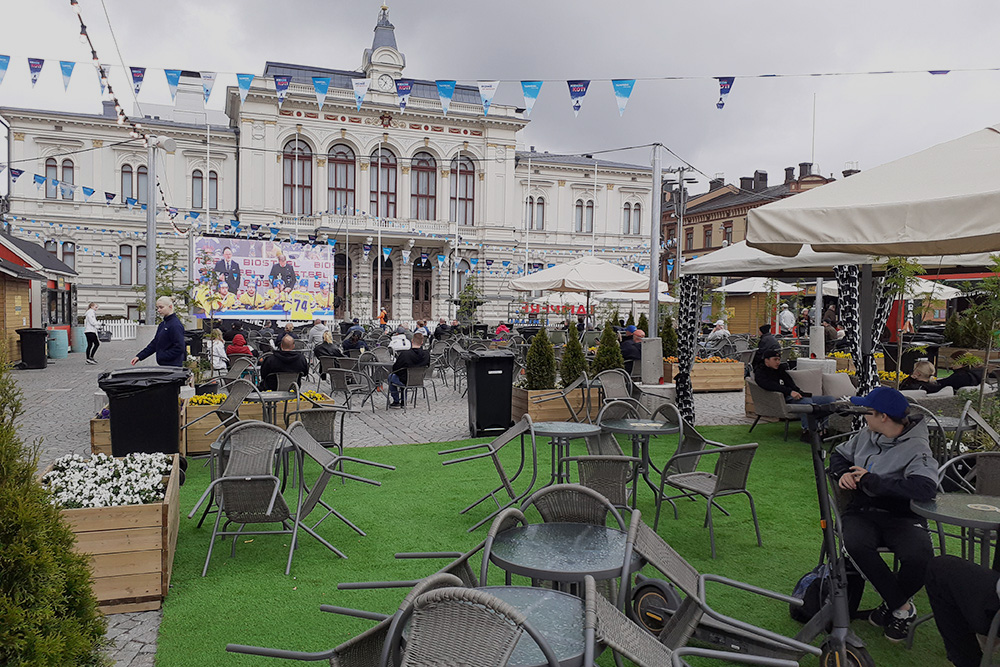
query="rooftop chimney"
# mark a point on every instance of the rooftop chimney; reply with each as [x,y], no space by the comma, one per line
[805,169]
[746,183]
[789,175]
[759,180]
[715,184]
[850,172]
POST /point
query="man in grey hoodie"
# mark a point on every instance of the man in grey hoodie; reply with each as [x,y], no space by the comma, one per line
[887,464]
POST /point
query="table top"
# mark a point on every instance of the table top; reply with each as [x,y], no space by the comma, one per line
[562,551]
[639,426]
[271,396]
[557,616]
[565,429]
[961,509]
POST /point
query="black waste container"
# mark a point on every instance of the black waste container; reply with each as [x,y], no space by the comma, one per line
[33,347]
[145,412]
[528,331]
[480,330]
[926,351]
[193,338]
[490,377]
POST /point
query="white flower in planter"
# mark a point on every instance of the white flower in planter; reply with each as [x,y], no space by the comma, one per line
[104,481]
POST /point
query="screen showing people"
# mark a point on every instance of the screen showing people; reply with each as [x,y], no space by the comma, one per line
[278,278]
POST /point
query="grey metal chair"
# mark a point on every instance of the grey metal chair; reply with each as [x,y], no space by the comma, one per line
[974,472]
[582,410]
[322,423]
[522,430]
[609,475]
[572,503]
[729,478]
[352,383]
[238,365]
[228,410]
[325,364]
[414,382]
[769,404]
[459,566]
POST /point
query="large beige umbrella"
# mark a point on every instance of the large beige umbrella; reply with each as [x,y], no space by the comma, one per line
[564,299]
[942,200]
[757,286]
[583,274]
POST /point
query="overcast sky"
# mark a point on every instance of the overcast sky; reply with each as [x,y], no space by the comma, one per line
[766,124]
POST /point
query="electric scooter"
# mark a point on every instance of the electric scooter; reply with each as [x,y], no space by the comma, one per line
[655,600]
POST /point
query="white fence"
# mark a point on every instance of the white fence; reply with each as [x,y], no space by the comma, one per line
[120,329]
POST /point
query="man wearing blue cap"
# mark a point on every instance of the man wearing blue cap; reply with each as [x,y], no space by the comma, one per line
[887,464]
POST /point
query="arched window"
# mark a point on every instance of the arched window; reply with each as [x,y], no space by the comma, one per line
[53,248]
[578,216]
[140,264]
[213,190]
[126,185]
[540,213]
[296,164]
[382,186]
[636,219]
[590,217]
[459,276]
[51,176]
[197,189]
[141,183]
[463,190]
[627,218]
[423,186]
[67,177]
[341,180]
[125,265]
[69,254]
[416,289]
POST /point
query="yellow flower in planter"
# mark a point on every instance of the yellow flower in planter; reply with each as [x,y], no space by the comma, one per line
[208,399]
[315,396]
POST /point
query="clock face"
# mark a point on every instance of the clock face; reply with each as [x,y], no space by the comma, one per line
[386,82]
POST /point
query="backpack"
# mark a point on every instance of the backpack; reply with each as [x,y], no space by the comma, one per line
[814,589]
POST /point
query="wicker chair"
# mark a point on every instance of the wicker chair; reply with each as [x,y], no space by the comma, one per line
[414,382]
[352,383]
[769,404]
[572,503]
[321,422]
[609,475]
[521,430]
[458,566]
[227,412]
[729,478]
[325,364]
[238,365]
[565,393]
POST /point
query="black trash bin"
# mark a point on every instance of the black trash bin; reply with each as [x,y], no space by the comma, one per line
[145,412]
[928,351]
[193,340]
[490,377]
[33,347]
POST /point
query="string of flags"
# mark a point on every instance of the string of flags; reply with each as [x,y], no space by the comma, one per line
[530,90]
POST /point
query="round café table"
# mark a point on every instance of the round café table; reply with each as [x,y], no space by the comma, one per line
[560,434]
[640,431]
[269,402]
[978,514]
[557,616]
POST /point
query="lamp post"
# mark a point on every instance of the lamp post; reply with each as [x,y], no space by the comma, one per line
[168,145]
[679,205]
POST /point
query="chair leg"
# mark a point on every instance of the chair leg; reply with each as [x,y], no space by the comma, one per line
[753,513]
[754,424]
[711,526]
[211,544]
[787,422]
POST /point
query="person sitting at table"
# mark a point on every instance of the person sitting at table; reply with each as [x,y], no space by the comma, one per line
[631,347]
[316,332]
[356,327]
[399,341]
[719,334]
[771,376]
[965,372]
[327,348]
[442,330]
[217,350]
[238,346]
[289,330]
[353,341]
[921,377]
[237,328]
[422,328]
[502,328]
[415,357]
[768,343]
[286,359]
[887,464]
[964,598]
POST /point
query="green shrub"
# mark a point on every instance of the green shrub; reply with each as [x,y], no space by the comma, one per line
[953,330]
[644,324]
[668,338]
[48,613]
[609,352]
[630,321]
[574,361]
[975,332]
[540,366]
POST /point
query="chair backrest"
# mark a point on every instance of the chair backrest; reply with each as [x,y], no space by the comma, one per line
[382,354]
[415,376]
[613,629]
[236,393]
[557,337]
[974,472]
[617,410]
[690,441]
[590,338]
[326,363]
[572,503]
[608,475]
[733,467]
[616,384]
[767,403]
[981,423]
[367,355]
[285,381]
[250,449]
[320,423]
[239,360]
[664,558]
[350,363]
[353,353]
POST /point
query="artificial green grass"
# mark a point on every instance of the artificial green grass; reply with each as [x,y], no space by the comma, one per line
[249,600]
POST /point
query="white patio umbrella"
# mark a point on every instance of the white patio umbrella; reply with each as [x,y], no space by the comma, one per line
[565,299]
[583,274]
[635,297]
[920,288]
[756,286]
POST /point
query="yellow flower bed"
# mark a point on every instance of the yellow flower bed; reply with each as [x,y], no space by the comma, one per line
[847,355]
[315,396]
[890,376]
[208,399]
[704,360]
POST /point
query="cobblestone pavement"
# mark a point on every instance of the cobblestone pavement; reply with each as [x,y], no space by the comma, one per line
[59,402]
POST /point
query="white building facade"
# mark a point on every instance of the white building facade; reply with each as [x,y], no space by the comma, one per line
[422,183]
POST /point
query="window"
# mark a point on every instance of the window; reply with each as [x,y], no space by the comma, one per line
[67,177]
[140,264]
[125,265]
[197,189]
[578,216]
[463,189]
[51,176]
[69,254]
[296,162]
[590,217]
[53,248]
[341,180]
[627,219]
[708,237]
[382,186]
[727,233]
[141,183]
[126,184]
[213,190]
[637,219]
[689,239]
[423,187]
[535,213]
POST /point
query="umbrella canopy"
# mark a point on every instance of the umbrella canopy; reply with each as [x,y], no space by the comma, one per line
[756,286]
[565,299]
[637,297]
[583,274]
[919,288]
[941,200]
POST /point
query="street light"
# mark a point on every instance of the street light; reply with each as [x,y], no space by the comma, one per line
[679,205]
[169,145]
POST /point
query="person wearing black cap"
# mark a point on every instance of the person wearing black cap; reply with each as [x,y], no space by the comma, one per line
[767,343]
[771,376]
[887,464]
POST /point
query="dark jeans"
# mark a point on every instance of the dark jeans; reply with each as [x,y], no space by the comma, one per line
[906,537]
[92,344]
[394,384]
[964,600]
[813,400]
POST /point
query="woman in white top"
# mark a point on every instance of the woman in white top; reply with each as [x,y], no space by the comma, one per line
[217,350]
[90,331]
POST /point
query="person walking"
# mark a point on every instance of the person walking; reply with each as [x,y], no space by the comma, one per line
[90,331]
[168,343]
[383,319]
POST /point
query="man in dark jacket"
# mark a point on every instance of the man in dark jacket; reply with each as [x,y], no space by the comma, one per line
[415,357]
[771,376]
[887,464]
[631,349]
[767,343]
[284,360]
[442,330]
[168,343]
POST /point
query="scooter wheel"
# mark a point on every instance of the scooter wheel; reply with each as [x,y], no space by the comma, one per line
[653,602]
[857,656]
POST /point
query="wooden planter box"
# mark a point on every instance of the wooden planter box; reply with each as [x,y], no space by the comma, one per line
[196,440]
[710,377]
[100,436]
[131,548]
[523,401]
[848,364]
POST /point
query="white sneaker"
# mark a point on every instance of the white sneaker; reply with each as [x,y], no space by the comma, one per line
[92,361]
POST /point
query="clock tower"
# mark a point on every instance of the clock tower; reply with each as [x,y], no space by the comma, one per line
[383,63]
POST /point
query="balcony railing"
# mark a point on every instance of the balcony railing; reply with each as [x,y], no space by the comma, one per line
[332,224]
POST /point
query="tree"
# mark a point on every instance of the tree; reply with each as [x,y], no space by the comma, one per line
[167,283]
[469,299]
[540,366]
[48,612]
[574,362]
[609,352]
[643,323]
[668,338]
[986,312]
[953,330]
[630,321]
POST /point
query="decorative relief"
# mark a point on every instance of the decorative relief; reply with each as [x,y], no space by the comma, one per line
[405,169]
[97,143]
[257,132]
[445,173]
[611,186]
[19,136]
[364,166]
[562,184]
[320,161]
